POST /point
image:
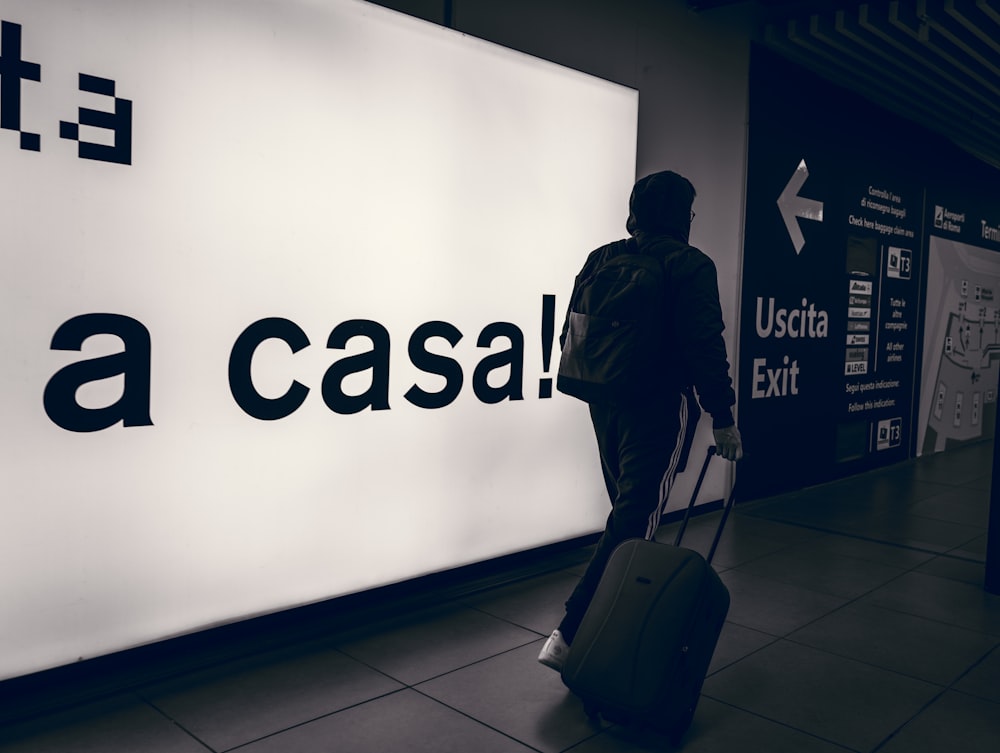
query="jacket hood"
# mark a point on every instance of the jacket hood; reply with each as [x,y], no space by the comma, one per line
[660,204]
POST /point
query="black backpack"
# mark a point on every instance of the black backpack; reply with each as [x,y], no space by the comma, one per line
[613,335]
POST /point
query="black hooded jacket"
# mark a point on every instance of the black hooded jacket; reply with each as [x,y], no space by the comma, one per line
[695,352]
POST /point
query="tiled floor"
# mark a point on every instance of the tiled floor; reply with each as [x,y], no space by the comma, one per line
[858,623]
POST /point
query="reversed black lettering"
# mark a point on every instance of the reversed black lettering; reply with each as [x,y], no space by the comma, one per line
[512,359]
[133,363]
[241,357]
[432,363]
[375,360]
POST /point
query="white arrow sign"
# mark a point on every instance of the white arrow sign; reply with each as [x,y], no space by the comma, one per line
[792,206]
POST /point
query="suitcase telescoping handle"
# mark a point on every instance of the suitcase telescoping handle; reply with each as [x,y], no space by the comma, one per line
[694,495]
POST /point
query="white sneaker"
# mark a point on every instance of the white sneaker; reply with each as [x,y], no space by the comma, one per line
[554,652]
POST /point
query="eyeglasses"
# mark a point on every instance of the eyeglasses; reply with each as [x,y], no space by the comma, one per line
[692,216]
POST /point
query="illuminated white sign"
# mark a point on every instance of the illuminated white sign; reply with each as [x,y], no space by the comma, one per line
[282,286]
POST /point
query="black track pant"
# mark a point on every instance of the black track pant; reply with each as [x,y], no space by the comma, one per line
[642,449]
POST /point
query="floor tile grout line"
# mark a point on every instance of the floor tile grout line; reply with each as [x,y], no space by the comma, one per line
[776,639]
[863,662]
[934,620]
[994,636]
[786,550]
[509,622]
[949,689]
[780,723]
[477,661]
[474,719]
[402,686]
[874,540]
[305,722]
[179,725]
[982,699]
[885,741]
[902,571]
[906,571]
[973,666]
[413,685]
[848,599]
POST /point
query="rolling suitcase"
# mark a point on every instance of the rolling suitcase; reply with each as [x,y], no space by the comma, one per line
[646,641]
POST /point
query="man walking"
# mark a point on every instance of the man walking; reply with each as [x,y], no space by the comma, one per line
[644,437]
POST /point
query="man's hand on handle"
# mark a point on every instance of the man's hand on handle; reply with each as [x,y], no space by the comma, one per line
[728,443]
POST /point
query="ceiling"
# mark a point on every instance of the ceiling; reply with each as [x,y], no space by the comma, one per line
[934,62]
